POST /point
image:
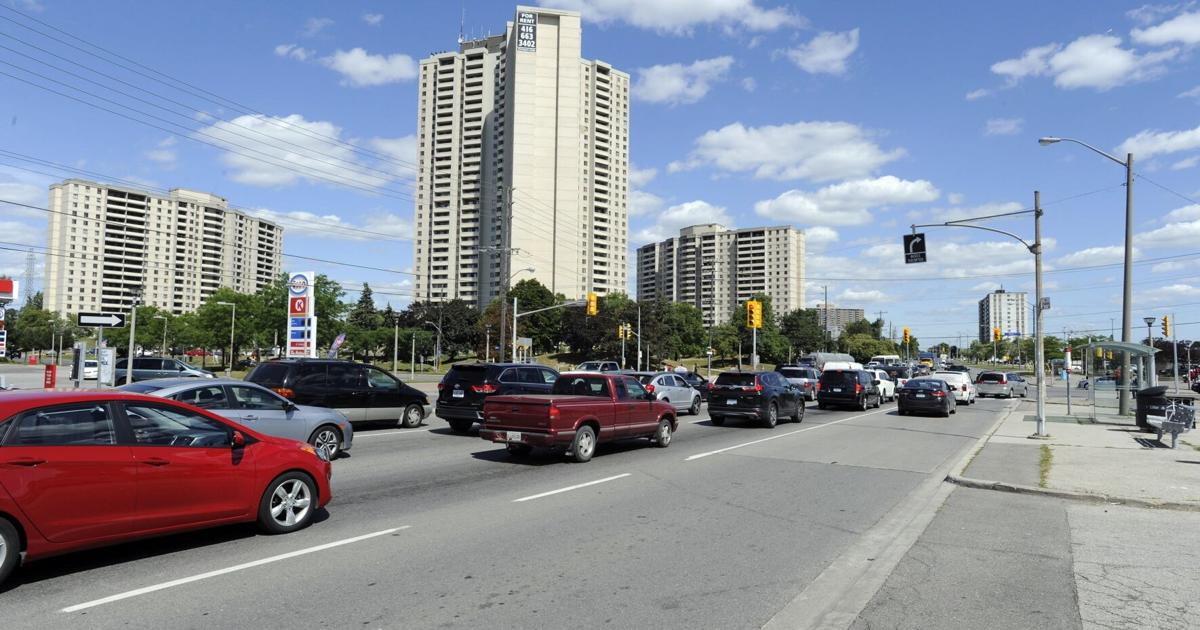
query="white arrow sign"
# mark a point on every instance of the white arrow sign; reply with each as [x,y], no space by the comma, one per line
[102,320]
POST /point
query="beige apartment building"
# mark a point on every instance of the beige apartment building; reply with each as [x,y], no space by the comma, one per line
[177,248]
[834,320]
[523,162]
[717,269]
[1006,310]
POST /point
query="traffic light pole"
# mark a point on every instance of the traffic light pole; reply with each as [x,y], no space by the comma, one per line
[754,349]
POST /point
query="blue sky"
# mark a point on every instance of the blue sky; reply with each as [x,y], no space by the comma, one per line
[849,121]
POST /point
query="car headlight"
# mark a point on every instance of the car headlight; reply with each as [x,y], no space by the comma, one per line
[319,452]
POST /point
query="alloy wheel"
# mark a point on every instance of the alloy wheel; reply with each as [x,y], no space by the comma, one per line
[290,502]
[327,440]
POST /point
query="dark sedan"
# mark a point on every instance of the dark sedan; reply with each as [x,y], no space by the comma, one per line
[926,395]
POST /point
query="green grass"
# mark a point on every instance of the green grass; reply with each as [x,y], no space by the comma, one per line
[1194,446]
[1044,466]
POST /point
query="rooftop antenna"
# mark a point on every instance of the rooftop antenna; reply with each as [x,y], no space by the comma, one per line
[461,21]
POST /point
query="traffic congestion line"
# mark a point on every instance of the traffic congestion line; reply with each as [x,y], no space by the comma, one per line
[248,565]
[570,488]
[782,435]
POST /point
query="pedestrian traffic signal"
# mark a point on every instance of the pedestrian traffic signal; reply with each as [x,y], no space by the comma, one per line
[1166,325]
[996,334]
[593,308]
[754,314]
[907,335]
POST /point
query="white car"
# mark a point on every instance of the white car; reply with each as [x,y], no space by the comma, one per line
[91,369]
[887,387]
[960,382]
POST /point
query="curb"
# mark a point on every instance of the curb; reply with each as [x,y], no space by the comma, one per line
[955,477]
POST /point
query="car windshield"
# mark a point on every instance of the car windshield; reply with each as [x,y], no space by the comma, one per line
[589,366]
[793,372]
[581,386]
[145,387]
[269,374]
[736,379]
[644,379]
[898,372]
[838,378]
[991,377]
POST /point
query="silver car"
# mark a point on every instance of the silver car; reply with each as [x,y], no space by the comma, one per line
[803,377]
[669,387]
[1001,385]
[258,408]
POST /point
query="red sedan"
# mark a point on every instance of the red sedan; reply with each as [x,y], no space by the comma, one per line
[81,470]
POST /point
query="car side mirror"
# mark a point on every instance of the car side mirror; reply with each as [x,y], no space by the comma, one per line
[288,405]
[238,440]
[876,381]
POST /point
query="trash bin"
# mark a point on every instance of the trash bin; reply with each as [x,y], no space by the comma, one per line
[1151,401]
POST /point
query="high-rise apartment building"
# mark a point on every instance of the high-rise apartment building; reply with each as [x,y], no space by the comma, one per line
[523,162]
[177,249]
[1004,310]
[834,320]
[718,269]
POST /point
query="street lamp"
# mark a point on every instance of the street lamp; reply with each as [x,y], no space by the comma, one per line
[135,295]
[164,344]
[1127,293]
[438,348]
[504,309]
[232,326]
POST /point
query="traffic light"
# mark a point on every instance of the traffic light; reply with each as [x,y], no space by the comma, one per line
[996,334]
[1166,325]
[593,308]
[753,314]
[620,331]
[907,335]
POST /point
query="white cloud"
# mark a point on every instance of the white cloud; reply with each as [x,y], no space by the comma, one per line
[332,226]
[1149,143]
[1092,61]
[362,69]
[819,235]
[1179,234]
[639,177]
[671,220]
[290,148]
[642,203]
[955,198]
[676,83]
[402,152]
[680,17]
[1150,13]
[814,151]
[749,84]
[1169,266]
[959,258]
[373,19]
[858,296]
[845,203]
[1167,295]
[164,153]
[21,187]
[293,51]
[1093,256]
[315,25]
[985,287]
[1003,126]
[975,95]
[1181,29]
[1186,213]
[826,53]
[1186,163]
[1192,93]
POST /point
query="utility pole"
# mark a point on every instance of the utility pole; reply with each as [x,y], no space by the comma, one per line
[639,344]
[505,251]
[395,346]
[1175,354]
[1039,350]
[412,359]
[828,332]
[487,345]
[136,294]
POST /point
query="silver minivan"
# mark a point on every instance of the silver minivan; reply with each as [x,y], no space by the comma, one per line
[146,368]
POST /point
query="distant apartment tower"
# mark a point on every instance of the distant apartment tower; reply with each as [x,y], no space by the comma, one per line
[834,320]
[1004,310]
[523,161]
[177,248]
[717,269]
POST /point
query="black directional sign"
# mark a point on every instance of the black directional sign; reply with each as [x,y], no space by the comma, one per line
[914,248]
[102,320]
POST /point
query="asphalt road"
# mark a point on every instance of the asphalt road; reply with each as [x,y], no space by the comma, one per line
[724,529]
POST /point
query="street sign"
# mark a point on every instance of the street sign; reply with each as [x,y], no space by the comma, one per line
[1012,333]
[1045,304]
[301,315]
[102,320]
[914,248]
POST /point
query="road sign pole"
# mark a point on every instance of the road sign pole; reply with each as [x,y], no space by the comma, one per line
[100,344]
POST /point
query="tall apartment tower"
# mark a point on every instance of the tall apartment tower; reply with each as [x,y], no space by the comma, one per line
[718,269]
[523,162]
[834,320]
[177,248]
[1004,310]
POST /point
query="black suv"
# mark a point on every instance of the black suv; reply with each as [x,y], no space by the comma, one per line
[363,392]
[464,388]
[848,388]
[760,395]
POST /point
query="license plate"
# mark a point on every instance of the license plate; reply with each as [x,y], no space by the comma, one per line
[458,393]
[920,395]
[837,390]
[731,401]
[512,436]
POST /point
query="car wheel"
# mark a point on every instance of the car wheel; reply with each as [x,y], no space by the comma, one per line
[717,420]
[695,409]
[328,438]
[461,426]
[772,416]
[413,414]
[519,450]
[584,444]
[862,404]
[798,416]
[947,411]
[288,504]
[10,549]
[662,437]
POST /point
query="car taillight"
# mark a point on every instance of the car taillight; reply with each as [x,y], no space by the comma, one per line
[1004,381]
[818,385]
[554,413]
[486,388]
[441,386]
[285,392]
[650,388]
[964,387]
[710,387]
[758,386]
[939,394]
[858,388]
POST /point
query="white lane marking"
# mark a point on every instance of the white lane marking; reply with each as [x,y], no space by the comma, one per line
[570,488]
[210,574]
[782,435]
[357,436]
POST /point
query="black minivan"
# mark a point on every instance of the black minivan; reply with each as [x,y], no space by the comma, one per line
[363,392]
[848,388]
[465,387]
[765,396]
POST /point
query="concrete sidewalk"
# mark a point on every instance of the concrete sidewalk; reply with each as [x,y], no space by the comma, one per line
[1103,460]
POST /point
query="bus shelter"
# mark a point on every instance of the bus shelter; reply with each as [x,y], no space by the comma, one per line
[1106,390]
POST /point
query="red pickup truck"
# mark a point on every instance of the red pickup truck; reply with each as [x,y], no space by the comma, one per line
[583,409]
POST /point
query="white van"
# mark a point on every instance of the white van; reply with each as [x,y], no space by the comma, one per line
[886,359]
[842,365]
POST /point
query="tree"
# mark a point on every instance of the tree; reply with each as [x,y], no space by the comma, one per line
[542,327]
[772,345]
[803,330]
[271,321]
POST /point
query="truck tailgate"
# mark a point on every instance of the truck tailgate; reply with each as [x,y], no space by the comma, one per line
[531,411]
